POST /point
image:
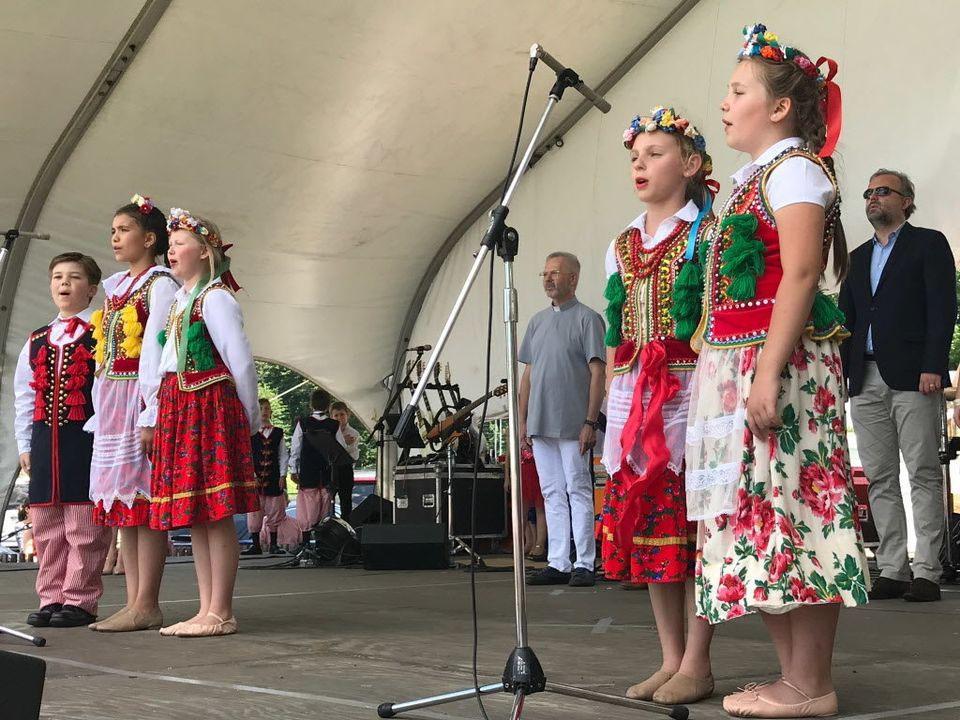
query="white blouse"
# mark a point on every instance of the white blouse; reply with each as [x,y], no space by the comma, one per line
[224,320]
[24,395]
[795,180]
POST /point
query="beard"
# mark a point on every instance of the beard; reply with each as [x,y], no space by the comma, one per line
[879,216]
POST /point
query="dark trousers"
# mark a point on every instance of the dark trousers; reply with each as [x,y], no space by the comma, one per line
[342,477]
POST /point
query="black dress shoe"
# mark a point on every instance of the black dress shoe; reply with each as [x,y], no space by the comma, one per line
[71,616]
[582,577]
[252,550]
[548,576]
[888,589]
[922,591]
[41,618]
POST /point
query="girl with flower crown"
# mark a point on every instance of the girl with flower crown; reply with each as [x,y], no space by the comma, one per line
[207,412]
[124,400]
[653,288]
[768,471]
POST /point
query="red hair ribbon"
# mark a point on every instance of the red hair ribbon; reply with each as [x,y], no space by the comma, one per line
[226,276]
[832,107]
[713,186]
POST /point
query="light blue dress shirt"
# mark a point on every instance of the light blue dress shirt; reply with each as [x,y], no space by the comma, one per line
[878,260]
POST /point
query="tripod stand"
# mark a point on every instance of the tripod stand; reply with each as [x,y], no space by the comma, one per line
[523,674]
[36,640]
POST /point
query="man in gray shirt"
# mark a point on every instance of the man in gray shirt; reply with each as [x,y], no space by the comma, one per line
[560,395]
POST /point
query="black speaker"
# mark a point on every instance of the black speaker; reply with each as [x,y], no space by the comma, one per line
[22,687]
[405,547]
[368,511]
[337,542]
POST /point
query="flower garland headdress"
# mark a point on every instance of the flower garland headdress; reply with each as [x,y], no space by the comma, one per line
[760,42]
[144,204]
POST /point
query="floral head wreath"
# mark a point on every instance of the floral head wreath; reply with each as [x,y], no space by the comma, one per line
[181,219]
[665,119]
[145,204]
[760,42]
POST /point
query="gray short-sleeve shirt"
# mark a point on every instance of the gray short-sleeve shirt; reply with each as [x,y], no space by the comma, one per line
[558,346]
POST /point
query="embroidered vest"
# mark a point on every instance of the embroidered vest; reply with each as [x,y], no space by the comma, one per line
[642,299]
[204,366]
[266,462]
[118,330]
[60,450]
[743,268]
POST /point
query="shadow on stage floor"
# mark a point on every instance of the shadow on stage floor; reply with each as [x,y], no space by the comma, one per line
[334,643]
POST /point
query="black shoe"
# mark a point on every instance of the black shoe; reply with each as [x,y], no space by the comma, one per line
[888,589]
[71,616]
[41,618]
[582,578]
[922,591]
[548,576]
[274,549]
[252,550]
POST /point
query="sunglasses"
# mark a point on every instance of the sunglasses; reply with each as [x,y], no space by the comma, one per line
[881,191]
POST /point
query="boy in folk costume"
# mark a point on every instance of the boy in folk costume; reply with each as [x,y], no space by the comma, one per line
[52,385]
[207,412]
[309,469]
[270,458]
[124,398]
[768,470]
[653,287]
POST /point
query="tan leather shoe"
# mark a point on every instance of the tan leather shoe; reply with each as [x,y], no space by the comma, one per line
[223,627]
[752,704]
[118,613]
[132,621]
[645,690]
[681,689]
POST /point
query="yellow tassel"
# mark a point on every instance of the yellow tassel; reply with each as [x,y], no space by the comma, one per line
[132,332]
[100,351]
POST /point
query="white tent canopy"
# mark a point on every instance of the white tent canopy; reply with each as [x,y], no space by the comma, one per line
[343,146]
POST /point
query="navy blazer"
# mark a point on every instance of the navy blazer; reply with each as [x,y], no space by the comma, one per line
[912,313]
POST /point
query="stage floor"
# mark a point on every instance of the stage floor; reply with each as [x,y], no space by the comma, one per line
[334,643]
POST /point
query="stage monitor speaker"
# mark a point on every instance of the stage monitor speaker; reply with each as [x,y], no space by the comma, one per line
[405,547]
[368,511]
[22,686]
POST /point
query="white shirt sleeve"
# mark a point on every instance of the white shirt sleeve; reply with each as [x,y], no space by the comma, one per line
[224,321]
[161,298]
[350,439]
[798,180]
[610,261]
[24,398]
[296,443]
[284,457]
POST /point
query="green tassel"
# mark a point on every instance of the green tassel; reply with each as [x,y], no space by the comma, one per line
[615,295]
[162,337]
[743,261]
[199,348]
[825,314]
[687,298]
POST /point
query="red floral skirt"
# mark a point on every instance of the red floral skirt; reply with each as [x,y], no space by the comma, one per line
[664,543]
[202,457]
[120,515]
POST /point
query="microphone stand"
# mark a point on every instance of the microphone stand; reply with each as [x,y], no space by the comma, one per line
[523,674]
[379,428]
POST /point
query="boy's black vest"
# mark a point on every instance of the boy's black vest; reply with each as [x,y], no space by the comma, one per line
[60,450]
[266,462]
[314,468]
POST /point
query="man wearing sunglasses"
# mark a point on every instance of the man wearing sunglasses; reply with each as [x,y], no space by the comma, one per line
[900,303]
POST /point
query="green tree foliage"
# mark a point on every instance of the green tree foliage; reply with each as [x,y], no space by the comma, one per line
[289,394]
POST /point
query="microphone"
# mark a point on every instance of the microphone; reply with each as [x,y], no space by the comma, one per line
[14,234]
[537,51]
[420,348]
